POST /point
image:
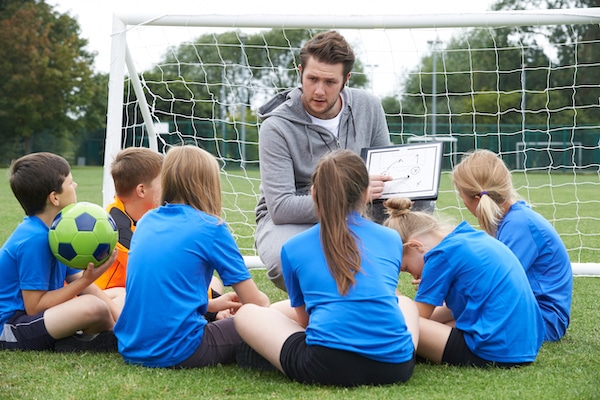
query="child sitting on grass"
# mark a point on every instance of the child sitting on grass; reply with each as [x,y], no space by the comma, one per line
[475,304]
[351,328]
[36,307]
[174,252]
[485,185]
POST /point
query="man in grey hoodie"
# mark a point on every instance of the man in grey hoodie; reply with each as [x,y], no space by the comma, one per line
[299,127]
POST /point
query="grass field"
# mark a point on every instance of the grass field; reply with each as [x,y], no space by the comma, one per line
[565,370]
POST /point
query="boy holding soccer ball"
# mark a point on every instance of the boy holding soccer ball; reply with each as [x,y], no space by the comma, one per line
[36,307]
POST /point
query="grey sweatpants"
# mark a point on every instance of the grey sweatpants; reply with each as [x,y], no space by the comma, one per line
[269,238]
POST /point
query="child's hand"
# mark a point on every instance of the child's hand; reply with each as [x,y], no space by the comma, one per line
[415,283]
[226,302]
[94,273]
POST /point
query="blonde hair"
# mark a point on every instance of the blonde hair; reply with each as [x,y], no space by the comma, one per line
[482,173]
[340,182]
[190,175]
[409,223]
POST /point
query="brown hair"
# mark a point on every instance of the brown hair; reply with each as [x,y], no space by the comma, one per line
[482,173]
[340,182]
[134,165]
[330,48]
[409,223]
[34,176]
[190,175]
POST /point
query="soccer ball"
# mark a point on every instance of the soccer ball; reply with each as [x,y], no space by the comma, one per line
[82,233]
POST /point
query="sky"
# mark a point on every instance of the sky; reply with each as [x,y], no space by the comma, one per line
[95,17]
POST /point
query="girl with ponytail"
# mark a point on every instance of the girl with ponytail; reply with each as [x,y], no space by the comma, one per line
[350,326]
[485,185]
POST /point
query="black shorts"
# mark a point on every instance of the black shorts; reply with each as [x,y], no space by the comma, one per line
[25,332]
[457,352]
[218,346]
[326,366]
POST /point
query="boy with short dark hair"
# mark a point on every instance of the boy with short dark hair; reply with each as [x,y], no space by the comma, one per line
[36,307]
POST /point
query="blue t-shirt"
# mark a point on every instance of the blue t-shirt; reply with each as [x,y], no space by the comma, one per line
[542,253]
[26,263]
[483,285]
[367,320]
[174,251]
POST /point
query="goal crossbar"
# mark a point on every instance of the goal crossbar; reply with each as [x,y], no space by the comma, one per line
[403,21]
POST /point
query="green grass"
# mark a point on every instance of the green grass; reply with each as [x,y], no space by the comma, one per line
[570,202]
[565,370]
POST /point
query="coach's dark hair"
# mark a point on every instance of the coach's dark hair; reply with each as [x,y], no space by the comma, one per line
[330,48]
[190,175]
[340,183]
[134,165]
[34,176]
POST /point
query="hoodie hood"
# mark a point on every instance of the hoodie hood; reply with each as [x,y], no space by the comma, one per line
[288,105]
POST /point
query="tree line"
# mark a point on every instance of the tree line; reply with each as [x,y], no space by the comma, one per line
[49,90]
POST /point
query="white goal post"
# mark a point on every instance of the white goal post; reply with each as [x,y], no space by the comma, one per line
[468,108]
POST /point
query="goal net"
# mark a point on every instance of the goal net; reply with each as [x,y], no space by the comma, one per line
[524,84]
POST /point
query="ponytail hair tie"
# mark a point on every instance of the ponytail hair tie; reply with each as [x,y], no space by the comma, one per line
[482,193]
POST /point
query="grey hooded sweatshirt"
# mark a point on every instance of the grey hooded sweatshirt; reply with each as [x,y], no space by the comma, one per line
[290,146]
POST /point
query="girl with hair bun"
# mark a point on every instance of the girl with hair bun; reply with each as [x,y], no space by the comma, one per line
[490,317]
[350,328]
[485,185]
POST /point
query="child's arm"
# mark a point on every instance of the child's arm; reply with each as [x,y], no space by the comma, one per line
[249,293]
[301,316]
[227,301]
[425,310]
[37,301]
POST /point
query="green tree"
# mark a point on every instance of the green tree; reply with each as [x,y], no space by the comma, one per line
[211,77]
[480,76]
[45,75]
[575,68]
[229,68]
[90,144]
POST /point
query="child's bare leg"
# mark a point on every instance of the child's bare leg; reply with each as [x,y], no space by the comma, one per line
[411,317]
[250,322]
[216,285]
[443,315]
[285,308]
[433,337]
[117,295]
[87,313]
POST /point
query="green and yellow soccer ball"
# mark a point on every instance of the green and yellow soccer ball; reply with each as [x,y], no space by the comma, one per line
[82,233]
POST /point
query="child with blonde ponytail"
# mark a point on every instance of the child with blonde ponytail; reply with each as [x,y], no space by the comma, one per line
[485,185]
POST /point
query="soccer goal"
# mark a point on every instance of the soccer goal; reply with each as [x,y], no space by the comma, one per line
[508,81]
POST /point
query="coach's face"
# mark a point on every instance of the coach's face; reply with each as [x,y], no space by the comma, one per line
[321,87]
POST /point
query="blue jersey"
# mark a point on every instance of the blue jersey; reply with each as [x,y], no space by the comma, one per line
[367,320]
[483,285]
[26,263]
[542,253]
[174,251]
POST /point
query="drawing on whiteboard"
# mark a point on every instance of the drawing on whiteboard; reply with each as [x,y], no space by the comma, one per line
[415,169]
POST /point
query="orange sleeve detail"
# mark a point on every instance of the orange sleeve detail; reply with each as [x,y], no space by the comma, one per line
[116,274]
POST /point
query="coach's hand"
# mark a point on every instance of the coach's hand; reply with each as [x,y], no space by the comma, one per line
[376,185]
